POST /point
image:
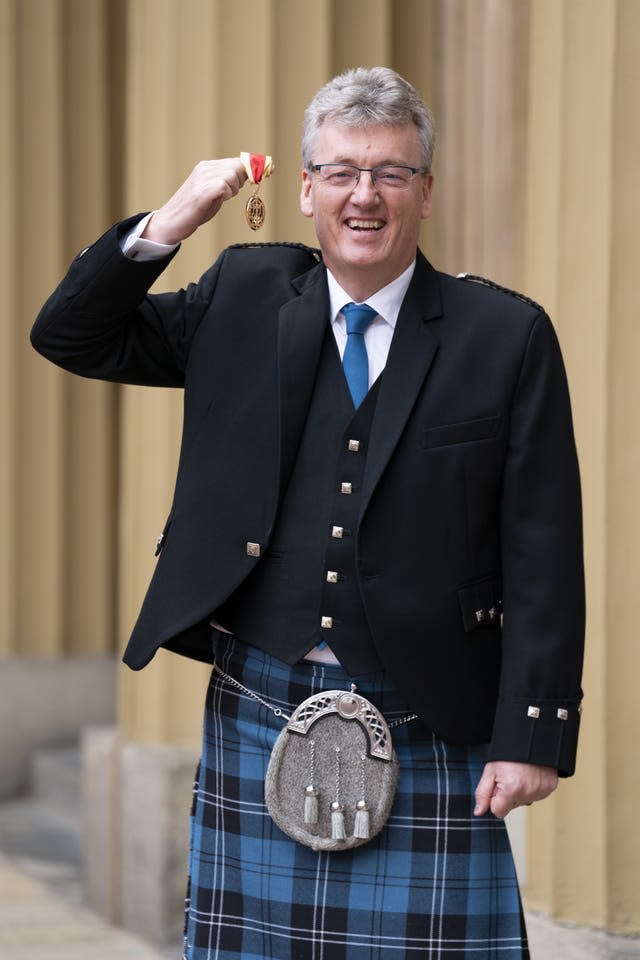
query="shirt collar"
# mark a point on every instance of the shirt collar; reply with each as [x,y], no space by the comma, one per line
[386,302]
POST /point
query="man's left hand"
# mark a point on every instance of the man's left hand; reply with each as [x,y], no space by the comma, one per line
[505,785]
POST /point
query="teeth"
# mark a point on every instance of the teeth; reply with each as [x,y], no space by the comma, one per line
[365,224]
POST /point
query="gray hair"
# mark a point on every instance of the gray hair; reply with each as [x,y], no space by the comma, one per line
[375,97]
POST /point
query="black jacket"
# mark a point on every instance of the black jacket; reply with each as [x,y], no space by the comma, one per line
[471,499]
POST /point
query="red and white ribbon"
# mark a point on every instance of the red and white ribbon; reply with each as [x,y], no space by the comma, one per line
[258,166]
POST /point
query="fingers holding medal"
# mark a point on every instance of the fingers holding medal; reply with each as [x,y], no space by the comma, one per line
[258,166]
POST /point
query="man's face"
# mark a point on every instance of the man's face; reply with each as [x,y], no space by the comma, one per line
[368,235]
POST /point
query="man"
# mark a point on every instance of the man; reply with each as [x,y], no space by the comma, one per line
[412,525]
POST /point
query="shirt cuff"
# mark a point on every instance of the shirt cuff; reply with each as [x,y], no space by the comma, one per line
[135,247]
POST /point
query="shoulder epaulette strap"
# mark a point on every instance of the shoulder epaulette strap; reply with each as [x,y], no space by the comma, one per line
[496,286]
[280,243]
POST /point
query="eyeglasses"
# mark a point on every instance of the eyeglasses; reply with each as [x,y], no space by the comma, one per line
[390,176]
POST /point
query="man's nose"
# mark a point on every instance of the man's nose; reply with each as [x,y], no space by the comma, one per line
[365,190]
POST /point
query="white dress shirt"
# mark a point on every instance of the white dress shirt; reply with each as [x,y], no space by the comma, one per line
[377,338]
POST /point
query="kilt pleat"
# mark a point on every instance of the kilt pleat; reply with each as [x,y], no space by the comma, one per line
[436,883]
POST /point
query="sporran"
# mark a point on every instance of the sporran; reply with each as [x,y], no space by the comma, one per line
[332,774]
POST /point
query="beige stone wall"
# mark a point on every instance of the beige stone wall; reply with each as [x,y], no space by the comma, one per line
[105,105]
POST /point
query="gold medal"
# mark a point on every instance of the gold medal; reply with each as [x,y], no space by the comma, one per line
[257,166]
[255,211]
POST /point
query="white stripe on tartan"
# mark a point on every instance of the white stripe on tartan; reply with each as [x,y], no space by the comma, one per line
[436,847]
[339,938]
[220,830]
[399,822]
[446,839]
[320,904]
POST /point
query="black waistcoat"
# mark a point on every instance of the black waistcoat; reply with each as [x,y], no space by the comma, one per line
[304,589]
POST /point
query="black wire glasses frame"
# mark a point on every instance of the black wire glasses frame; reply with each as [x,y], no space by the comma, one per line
[392,175]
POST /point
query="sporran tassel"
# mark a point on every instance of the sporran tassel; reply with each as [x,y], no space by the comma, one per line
[311,804]
[361,825]
[337,810]
[311,792]
[337,822]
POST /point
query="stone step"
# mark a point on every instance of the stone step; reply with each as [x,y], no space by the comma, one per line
[42,831]
[56,779]
[35,924]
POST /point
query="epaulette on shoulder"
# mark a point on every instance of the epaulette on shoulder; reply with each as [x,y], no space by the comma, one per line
[496,286]
[277,243]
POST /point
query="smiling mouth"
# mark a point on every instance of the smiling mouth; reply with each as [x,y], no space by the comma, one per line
[365,225]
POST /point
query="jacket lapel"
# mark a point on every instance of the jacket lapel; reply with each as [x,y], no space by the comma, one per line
[302,327]
[413,349]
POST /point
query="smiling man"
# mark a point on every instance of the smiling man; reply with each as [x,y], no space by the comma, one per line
[377,507]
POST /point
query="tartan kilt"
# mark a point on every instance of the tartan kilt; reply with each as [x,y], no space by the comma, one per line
[437,882]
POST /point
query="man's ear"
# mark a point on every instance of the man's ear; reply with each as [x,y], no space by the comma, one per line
[427,196]
[306,203]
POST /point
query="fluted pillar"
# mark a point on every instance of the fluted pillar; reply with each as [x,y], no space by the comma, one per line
[57,440]
[583,204]
[481,109]
[57,433]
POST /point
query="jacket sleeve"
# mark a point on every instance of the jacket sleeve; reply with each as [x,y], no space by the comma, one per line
[538,711]
[100,322]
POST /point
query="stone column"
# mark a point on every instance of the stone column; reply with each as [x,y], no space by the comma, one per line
[475,79]
[57,434]
[583,203]
[481,108]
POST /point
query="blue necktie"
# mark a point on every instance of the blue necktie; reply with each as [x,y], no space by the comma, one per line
[354,360]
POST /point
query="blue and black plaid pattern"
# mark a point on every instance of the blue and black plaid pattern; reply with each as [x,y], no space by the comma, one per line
[436,883]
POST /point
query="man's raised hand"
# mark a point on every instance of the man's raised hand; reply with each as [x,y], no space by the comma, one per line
[208,186]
